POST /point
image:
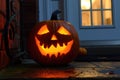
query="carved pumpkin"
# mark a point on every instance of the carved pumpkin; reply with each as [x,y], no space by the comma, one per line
[53,42]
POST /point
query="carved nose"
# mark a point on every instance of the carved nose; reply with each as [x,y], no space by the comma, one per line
[53,37]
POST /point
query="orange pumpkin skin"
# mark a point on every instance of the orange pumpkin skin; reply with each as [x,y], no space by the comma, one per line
[47,36]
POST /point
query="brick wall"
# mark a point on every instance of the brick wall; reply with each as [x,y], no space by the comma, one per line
[3,57]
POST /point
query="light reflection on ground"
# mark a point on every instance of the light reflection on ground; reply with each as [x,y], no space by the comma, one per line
[75,69]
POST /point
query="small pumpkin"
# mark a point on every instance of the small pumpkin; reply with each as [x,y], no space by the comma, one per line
[53,42]
[83,51]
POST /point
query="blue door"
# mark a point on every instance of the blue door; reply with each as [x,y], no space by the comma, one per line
[94,19]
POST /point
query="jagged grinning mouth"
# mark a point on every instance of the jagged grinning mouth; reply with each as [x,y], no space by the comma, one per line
[52,50]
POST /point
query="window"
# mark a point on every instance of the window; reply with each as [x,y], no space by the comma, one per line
[96,13]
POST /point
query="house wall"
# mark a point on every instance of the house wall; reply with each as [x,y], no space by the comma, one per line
[9,30]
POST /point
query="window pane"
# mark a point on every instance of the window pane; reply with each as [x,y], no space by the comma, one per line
[85,4]
[96,12]
[96,4]
[96,18]
[106,4]
[86,18]
[107,17]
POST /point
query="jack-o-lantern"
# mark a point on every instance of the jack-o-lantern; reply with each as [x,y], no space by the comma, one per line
[53,42]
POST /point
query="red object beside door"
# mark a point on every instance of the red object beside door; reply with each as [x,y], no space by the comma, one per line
[4,60]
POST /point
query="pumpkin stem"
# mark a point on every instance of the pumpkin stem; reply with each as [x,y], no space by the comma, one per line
[55,15]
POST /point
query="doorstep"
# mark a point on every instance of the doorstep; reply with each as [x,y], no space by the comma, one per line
[75,70]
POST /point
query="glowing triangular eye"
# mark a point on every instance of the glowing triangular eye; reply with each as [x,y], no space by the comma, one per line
[63,31]
[43,30]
